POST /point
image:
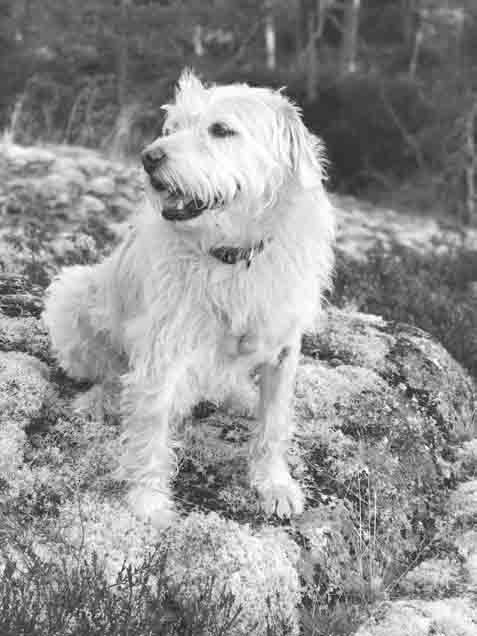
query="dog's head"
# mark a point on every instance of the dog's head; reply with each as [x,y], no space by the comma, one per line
[229,146]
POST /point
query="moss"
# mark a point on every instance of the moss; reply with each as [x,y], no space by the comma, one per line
[384,420]
[452,617]
[25,335]
[434,578]
[258,570]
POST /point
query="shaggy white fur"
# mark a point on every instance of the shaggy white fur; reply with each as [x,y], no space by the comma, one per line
[235,166]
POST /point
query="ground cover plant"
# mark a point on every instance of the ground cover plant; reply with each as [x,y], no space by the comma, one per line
[435,291]
[385,448]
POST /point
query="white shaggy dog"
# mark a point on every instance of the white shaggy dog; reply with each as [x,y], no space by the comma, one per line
[220,276]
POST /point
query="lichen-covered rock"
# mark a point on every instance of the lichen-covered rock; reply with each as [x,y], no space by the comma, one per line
[434,578]
[257,570]
[466,544]
[383,449]
[89,204]
[91,524]
[25,335]
[102,186]
[452,617]
[362,226]
[382,411]
[462,506]
[49,194]
[25,394]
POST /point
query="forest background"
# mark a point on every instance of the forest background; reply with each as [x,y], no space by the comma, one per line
[390,85]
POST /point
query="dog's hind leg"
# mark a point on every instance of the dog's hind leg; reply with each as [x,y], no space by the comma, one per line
[269,471]
[77,318]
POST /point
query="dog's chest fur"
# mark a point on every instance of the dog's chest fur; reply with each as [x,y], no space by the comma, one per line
[191,300]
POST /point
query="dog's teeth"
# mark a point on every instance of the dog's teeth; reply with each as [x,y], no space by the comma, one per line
[180,205]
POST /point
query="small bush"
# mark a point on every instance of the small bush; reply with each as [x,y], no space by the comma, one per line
[434,292]
[45,599]
[204,576]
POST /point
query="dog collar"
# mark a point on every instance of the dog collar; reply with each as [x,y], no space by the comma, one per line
[232,255]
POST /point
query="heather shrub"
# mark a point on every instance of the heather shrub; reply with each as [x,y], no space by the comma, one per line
[203,576]
[432,291]
[43,598]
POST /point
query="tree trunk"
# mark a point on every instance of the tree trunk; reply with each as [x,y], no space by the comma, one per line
[21,18]
[316,24]
[349,51]
[301,34]
[123,52]
[471,163]
[270,41]
[409,21]
[418,39]
[197,39]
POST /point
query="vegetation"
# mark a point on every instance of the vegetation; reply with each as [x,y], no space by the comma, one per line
[435,292]
[390,85]
[56,600]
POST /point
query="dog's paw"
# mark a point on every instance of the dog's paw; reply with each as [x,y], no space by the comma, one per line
[152,505]
[284,499]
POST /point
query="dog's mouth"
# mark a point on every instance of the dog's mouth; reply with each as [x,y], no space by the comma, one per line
[178,205]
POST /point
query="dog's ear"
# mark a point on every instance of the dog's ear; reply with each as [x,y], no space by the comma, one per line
[305,150]
[188,81]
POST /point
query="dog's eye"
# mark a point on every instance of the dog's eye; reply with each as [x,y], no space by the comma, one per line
[221,130]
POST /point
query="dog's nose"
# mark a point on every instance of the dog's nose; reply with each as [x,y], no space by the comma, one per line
[152,158]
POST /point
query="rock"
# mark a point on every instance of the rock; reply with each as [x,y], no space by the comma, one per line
[89,204]
[466,544]
[101,187]
[25,156]
[434,578]
[462,506]
[410,361]
[26,335]
[74,177]
[452,617]
[123,207]
[384,443]
[107,528]
[24,387]
[258,570]
[381,412]
[362,226]
[205,553]
[25,394]
[93,164]
[19,296]
[52,187]
[454,571]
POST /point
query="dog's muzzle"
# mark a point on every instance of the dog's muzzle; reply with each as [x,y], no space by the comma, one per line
[177,205]
[180,208]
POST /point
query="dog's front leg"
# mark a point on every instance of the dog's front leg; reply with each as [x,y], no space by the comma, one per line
[269,471]
[148,460]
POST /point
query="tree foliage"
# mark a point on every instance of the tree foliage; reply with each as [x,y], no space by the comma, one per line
[87,72]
